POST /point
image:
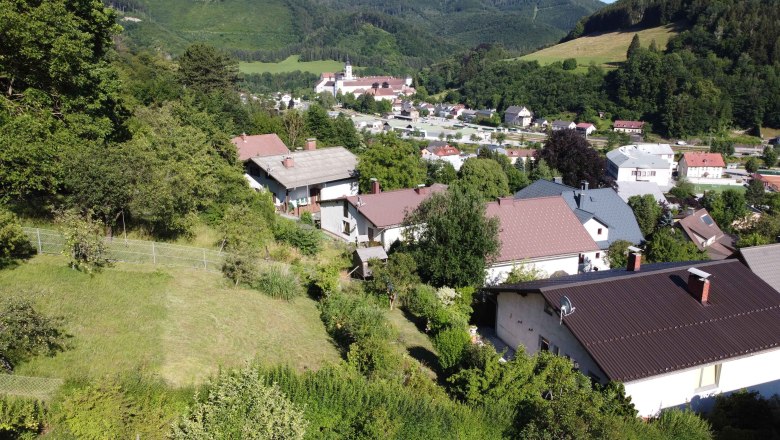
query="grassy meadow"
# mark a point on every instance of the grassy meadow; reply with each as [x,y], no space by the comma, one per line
[181,325]
[605,50]
[291,64]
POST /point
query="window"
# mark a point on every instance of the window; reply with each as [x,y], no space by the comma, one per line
[544,344]
[598,254]
[600,231]
[346,209]
[346,227]
[709,376]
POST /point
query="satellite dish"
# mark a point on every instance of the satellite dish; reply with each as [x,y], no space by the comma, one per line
[566,307]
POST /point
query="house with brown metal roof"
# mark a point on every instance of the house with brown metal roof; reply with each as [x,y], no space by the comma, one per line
[701,229]
[258,145]
[673,333]
[542,233]
[374,217]
[704,165]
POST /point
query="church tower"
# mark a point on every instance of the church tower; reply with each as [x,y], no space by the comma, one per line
[348,71]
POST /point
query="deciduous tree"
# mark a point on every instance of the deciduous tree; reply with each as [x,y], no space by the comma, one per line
[574,158]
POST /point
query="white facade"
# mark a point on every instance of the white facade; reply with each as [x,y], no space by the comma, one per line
[305,195]
[526,321]
[659,176]
[569,263]
[641,163]
[699,172]
[758,372]
[354,227]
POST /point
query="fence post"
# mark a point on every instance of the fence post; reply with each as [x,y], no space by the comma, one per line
[205,265]
[38,233]
[154,256]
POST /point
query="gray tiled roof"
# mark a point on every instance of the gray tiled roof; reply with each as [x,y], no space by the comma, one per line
[628,157]
[310,167]
[764,261]
[603,203]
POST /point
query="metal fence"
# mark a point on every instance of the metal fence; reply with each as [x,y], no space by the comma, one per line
[47,241]
[42,388]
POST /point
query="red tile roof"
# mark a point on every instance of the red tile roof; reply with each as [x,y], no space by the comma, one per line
[520,152]
[704,160]
[388,208]
[629,124]
[538,227]
[444,150]
[642,324]
[585,125]
[259,145]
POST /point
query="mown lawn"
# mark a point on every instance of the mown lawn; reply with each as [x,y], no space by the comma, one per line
[179,324]
[292,64]
[605,50]
[700,188]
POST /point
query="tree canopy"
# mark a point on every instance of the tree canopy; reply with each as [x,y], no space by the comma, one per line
[574,158]
[395,163]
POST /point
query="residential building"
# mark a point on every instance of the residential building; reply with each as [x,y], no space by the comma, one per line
[522,154]
[302,180]
[541,123]
[440,150]
[632,127]
[518,115]
[764,261]
[631,163]
[258,145]
[603,214]
[675,334]
[701,229]
[381,87]
[585,128]
[374,217]
[627,189]
[701,165]
[771,182]
[542,233]
[563,125]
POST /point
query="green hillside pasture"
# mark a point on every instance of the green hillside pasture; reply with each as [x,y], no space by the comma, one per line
[605,50]
[179,324]
[291,64]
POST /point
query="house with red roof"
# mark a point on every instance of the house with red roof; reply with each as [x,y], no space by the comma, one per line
[585,128]
[374,217]
[701,165]
[521,154]
[542,233]
[675,334]
[258,145]
[635,127]
[441,150]
[701,229]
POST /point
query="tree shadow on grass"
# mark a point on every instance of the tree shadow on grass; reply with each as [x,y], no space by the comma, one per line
[424,356]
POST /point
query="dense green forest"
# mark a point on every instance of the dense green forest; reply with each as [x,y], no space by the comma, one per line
[723,72]
[393,35]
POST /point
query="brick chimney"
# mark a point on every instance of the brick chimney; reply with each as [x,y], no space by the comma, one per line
[699,285]
[288,162]
[311,144]
[375,188]
[421,189]
[634,259]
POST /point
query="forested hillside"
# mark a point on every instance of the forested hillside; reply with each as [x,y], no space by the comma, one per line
[390,34]
[722,72]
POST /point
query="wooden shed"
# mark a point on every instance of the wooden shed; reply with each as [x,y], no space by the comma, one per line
[361,257]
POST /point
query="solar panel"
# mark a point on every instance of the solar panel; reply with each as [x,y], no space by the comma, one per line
[707,220]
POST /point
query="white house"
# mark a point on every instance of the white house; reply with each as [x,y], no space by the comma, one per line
[585,128]
[440,150]
[701,165]
[563,125]
[674,335]
[632,163]
[382,87]
[374,217]
[301,180]
[542,233]
[631,127]
[518,115]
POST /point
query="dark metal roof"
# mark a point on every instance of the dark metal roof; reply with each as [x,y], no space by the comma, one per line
[641,324]
[764,261]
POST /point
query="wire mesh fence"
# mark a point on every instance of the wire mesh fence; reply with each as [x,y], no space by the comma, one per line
[47,241]
[42,388]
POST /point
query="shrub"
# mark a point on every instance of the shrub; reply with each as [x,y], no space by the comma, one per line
[239,405]
[240,266]
[305,238]
[450,344]
[375,358]
[26,333]
[20,417]
[278,282]
[83,241]
[682,424]
[326,278]
[307,219]
[424,303]
[350,318]
[13,242]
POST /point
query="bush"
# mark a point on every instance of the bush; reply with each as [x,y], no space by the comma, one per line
[27,333]
[239,405]
[351,318]
[375,358]
[278,282]
[682,424]
[20,417]
[13,241]
[307,219]
[424,303]
[84,241]
[305,238]
[240,266]
[450,344]
[326,278]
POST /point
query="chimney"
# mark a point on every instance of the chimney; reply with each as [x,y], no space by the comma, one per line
[558,179]
[311,144]
[584,185]
[634,259]
[243,137]
[699,285]
[421,189]
[288,162]
[375,189]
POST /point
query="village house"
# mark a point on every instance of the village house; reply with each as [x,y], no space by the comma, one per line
[301,180]
[701,229]
[542,233]
[632,163]
[563,125]
[764,261]
[541,123]
[381,87]
[374,217]
[441,150]
[258,145]
[603,214]
[631,127]
[518,115]
[585,128]
[701,165]
[522,154]
[771,182]
[628,189]
[674,334]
